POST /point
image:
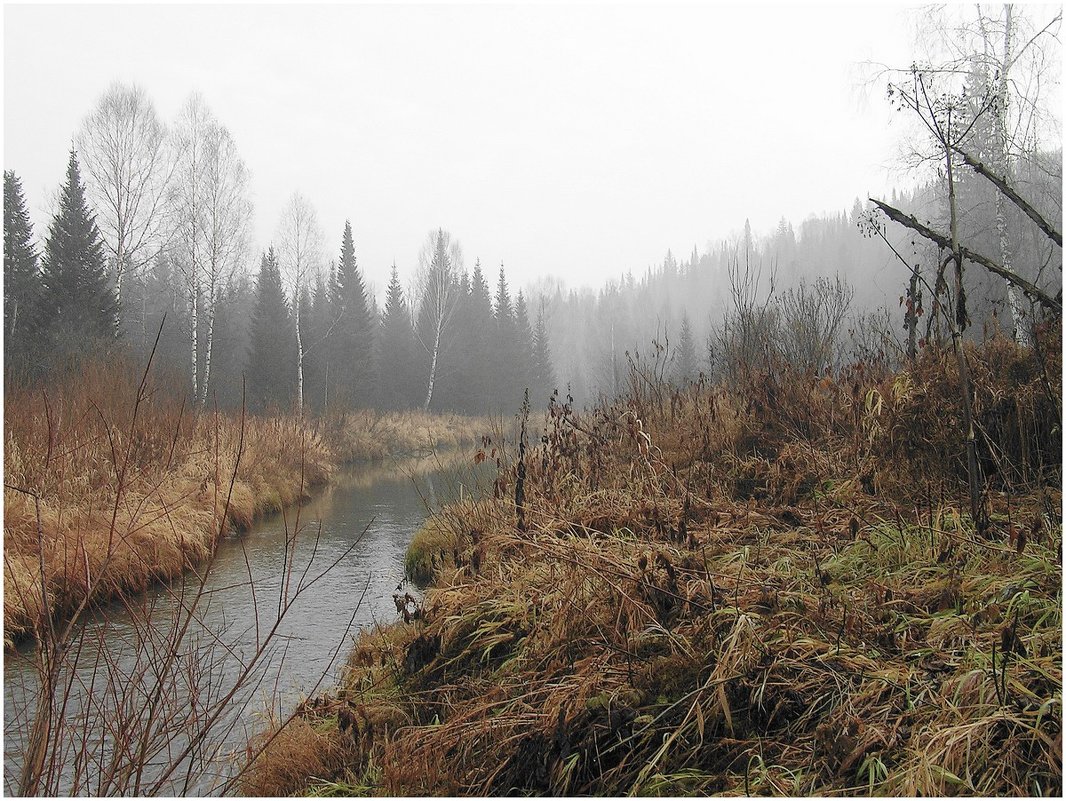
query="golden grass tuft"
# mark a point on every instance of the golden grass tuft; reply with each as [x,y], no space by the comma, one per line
[296,756]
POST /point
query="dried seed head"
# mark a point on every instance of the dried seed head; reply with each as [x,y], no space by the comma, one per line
[1037,527]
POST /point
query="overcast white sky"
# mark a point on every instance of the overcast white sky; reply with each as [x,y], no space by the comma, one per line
[574,141]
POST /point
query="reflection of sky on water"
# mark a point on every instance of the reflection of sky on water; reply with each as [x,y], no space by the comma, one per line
[361,525]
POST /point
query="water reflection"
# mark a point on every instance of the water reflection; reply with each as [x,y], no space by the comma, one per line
[330,566]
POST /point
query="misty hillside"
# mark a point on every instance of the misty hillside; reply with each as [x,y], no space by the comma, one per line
[591,331]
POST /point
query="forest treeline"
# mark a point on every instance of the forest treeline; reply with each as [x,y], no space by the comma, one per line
[60,301]
[454,345]
[830,272]
[151,234]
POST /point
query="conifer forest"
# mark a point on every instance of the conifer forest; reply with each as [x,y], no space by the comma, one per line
[512,400]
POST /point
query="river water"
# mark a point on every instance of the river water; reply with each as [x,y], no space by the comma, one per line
[331,568]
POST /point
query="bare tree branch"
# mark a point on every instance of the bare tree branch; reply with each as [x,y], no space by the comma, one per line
[1052,304]
[1001,184]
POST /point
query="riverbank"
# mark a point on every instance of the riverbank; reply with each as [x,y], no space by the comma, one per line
[775,589]
[105,495]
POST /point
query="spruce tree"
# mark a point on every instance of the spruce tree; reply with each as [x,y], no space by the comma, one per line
[374,314]
[272,346]
[157,295]
[523,346]
[482,339]
[21,278]
[78,307]
[351,340]
[398,383]
[543,372]
[455,370]
[686,367]
[306,342]
[318,345]
[504,354]
[236,303]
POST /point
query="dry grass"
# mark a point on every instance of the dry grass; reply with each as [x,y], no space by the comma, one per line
[746,592]
[103,503]
[436,543]
[298,751]
[367,435]
[101,499]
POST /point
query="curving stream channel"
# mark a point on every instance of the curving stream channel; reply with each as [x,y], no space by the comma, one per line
[332,572]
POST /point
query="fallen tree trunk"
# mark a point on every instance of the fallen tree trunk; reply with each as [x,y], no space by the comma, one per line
[1052,304]
[1001,184]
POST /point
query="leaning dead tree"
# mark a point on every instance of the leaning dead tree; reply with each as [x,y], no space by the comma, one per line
[940,115]
[993,64]
[950,119]
[1052,304]
[1001,183]
[940,112]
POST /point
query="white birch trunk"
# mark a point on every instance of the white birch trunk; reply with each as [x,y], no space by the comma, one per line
[193,336]
[299,362]
[210,312]
[118,290]
[433,366]
[144,311]
[1013,301]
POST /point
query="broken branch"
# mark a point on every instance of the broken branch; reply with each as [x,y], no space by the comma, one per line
[1001,184]
[1030,289]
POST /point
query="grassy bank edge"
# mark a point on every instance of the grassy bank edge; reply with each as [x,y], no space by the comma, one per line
[172,509]
[754,612]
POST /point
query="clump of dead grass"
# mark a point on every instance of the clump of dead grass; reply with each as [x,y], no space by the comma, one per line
[301,752]
[368,435]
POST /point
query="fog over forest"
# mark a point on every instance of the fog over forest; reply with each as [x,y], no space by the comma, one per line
[179,236]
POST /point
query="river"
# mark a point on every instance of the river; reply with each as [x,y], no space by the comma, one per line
[359,528]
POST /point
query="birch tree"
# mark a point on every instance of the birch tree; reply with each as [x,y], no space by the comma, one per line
[213,216]
[437,292]
[949,118]
[1001,151]
[124,154]
[194,123]
[1006,58]
[300,253]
